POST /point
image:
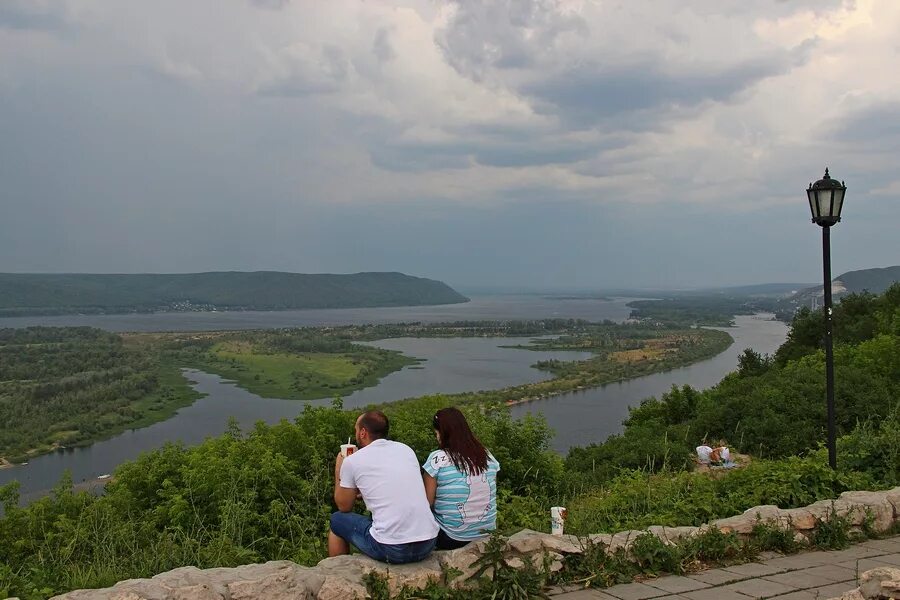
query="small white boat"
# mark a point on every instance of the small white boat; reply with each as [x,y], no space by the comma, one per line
[106,476]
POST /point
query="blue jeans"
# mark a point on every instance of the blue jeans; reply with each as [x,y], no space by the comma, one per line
[354,528]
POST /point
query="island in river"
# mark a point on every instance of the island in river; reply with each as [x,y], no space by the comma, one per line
[73,386]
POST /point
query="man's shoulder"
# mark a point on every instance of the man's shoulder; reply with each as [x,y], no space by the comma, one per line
[388,447]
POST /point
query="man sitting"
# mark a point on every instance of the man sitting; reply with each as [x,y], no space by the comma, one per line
[402,528]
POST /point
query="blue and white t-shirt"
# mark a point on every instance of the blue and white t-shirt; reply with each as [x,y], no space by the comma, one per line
[465,506]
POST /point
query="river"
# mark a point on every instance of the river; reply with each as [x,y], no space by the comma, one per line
[588,416]
[488,308]
[451,365]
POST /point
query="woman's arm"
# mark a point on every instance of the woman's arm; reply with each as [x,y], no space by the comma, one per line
[430,487]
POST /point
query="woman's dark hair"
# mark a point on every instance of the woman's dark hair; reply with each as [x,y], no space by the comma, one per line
[458,441]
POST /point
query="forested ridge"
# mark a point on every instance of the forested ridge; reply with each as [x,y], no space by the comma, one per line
[266,495]
[46,294]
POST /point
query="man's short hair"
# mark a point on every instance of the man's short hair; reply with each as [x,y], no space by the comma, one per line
[376,423]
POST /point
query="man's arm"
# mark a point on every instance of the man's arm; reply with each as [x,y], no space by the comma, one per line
[343,497]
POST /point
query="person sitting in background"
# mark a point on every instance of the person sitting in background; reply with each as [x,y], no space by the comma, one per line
[460,482]
[704,454]
[724,454]
[386,474]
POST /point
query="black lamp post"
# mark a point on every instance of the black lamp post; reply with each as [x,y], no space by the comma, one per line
[826,198]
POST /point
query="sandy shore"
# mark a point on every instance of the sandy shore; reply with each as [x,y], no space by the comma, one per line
[5,464]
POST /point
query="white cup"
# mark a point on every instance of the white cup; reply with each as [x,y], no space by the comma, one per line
[558,516]
[347,449]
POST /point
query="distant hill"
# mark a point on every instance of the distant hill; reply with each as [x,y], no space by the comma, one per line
[42,294]
[871,280]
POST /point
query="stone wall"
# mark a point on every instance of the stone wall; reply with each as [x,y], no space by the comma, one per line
[341,578]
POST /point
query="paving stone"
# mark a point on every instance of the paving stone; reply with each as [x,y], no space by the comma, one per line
[851,552]
[564,588]
[675,584]
[861,565]
[833,573]
[833,591]
[890,559]
[755,569]
[717,576]
[584,595]
[759,588]
[715,594]
[634,591]
[800,580]
[798,561]
[890,545]
[801,595]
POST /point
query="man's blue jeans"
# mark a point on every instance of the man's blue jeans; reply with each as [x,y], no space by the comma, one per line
[354,528]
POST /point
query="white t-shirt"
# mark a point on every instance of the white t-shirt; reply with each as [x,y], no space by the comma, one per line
[703,453]
[387,475]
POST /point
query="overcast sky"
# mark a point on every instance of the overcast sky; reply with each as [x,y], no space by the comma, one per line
[521,143]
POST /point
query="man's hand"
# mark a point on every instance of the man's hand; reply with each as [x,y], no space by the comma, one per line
[337,467]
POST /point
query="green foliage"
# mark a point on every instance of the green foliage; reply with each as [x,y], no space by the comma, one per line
[597,567]
[766,537]
[67,386]
[653,556]
[267,494]
[714,546]
[832,533]
[638,499]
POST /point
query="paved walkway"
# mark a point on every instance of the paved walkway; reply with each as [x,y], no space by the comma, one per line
[806,576]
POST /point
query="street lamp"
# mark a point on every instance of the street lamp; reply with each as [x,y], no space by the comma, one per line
[826,198]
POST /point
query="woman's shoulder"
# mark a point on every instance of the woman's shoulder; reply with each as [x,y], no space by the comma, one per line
[492,461]
[437,458]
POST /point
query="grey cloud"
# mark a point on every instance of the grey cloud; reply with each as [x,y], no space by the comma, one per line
[311,75]
[24,15]
[529,156]
[875,125]
[516,149]
[381,46]
[418,159]
[504,35]
[270,4]
[593,93]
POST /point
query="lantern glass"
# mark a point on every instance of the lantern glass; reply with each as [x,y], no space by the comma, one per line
[823,198]
[838,202]
[811,193]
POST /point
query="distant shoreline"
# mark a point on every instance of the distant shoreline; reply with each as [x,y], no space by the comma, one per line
[14,313]
[51,294]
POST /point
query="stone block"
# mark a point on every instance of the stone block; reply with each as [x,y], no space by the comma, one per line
[529,542]
[672,535]
[881,583]
[893,496]
[800,518]
[874,504]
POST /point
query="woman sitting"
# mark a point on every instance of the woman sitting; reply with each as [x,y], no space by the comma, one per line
[460,482]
